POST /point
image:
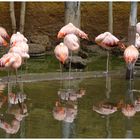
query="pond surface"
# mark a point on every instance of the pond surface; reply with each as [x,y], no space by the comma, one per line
[35,117]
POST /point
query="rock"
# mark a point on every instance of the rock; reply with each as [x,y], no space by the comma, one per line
[41,39]
[94,49]
[36,49]
[76,62]
[83,54]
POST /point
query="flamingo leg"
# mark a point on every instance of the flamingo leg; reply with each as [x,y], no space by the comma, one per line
[8,75]
[61,74]
[70,67]
[26,66]
[107,62]
[16,75]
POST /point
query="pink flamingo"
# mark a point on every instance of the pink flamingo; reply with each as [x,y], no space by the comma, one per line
[21,48]
[131,55]
[61,52]
[106,40]
[137,43]
[3,33]
[71,29]
[11,61]
[18,37]
[72,42]
[3,42]
[138,27]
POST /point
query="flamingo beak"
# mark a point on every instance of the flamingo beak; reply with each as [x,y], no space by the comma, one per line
[62,59]
[60,35]
[5,44]
[8,37]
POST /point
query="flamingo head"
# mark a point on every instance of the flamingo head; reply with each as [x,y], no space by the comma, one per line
[13,43]
[61,35]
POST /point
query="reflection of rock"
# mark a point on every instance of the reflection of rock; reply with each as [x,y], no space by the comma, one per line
[76,62]
[82,54]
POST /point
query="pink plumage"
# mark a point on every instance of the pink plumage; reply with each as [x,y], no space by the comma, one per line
[72,42]
[21,48]
[11,60]
[18,37]
[138,27]
[61,52]
[106,40]
[137,43]
[71,29]
[3,33]
[131,55]
[3,42]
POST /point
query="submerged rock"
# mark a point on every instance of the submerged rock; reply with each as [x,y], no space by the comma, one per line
[77,62]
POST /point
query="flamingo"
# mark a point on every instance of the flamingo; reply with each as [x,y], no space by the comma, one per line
[16,98]
[18,37]
[11,61]
[137,43]
[3,42]
[61,52]
[21,48]
[131,55]
[138,27]
[3,33]
[106,40]
[71,29]
[72,42]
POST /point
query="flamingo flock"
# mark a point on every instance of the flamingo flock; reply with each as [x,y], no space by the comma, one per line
[70,34]
[18,50]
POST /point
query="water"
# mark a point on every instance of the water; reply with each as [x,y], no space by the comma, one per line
[41,98]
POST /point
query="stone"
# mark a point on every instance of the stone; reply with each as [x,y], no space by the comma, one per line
[40,39]
[94,50]
[36,49]
[77,62]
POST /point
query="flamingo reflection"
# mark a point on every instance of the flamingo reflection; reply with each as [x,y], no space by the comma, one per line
[66,109]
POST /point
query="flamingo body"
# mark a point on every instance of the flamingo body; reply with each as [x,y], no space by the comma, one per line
[106,40]
[11,60]
[3,33]
[61,52]
[72,42]
[131,55]
[138,27]
[18,37]
[21,48]
[71,29]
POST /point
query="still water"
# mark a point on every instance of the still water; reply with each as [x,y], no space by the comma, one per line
[64,109]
